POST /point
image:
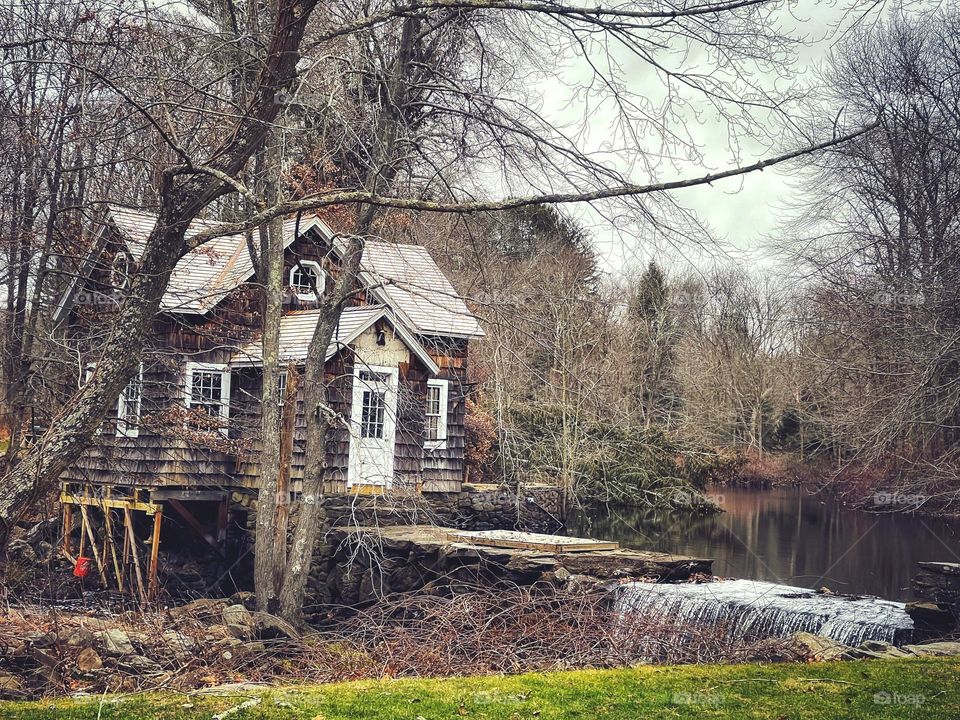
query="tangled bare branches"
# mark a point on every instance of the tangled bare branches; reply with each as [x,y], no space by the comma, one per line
[476,632]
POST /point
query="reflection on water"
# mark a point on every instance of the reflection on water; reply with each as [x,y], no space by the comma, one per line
[788,536]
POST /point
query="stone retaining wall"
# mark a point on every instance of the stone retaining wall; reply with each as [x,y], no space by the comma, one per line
[536,508]
[940,582]
[479,507]
[362,565]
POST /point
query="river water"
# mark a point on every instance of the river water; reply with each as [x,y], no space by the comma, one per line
[788,536]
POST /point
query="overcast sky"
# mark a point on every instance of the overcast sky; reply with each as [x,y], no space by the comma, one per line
[742,213]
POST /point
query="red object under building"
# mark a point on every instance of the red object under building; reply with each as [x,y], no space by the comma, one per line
[82,568]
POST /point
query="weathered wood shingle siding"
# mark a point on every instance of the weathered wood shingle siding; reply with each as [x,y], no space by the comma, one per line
[161,454]
[443,468]
[408,448]
[339,371]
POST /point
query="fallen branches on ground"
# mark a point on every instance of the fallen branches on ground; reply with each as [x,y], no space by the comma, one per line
[480,631]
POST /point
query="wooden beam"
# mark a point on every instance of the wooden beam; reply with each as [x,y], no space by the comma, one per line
[67,526]
[128,525]
[223,518]
[83,533]
[187,494]
[118,503]
[113,548]
[154,550]
[93,545]
[192,521]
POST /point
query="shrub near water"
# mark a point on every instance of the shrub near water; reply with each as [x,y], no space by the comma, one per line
[609,462]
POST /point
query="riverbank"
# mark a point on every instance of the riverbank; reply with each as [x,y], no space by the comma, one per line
[878,487]
[879,689]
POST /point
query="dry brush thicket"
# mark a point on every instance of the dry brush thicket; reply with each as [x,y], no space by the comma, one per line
[481,631]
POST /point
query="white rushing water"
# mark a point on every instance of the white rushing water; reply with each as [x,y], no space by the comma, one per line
[749,608]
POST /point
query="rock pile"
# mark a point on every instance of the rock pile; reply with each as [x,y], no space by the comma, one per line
[62,652]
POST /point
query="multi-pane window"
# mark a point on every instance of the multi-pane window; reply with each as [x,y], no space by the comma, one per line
[374,404]
[372,417]
[128,406]
[208,390]
[436,413]
[307,279]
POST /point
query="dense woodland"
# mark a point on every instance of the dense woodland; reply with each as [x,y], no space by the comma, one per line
[838,366]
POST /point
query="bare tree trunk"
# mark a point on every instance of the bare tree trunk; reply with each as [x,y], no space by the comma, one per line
[319,419]
[271,255]
[72,429]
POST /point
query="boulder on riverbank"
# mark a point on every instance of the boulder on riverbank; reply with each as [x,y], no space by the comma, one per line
[819,648]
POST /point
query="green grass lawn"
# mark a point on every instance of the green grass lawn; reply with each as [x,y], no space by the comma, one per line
[858,689]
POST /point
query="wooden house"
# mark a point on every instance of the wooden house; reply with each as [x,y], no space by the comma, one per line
[185,432]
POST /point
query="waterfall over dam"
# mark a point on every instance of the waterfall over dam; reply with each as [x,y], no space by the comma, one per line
[754,609]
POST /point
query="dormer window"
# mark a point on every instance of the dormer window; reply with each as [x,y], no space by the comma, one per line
[307,280]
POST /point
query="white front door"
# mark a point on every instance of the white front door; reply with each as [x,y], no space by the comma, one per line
[373,426]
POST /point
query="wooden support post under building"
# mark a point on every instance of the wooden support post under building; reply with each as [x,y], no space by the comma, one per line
[67,527]
[108,528]
[223,517]
[132,539]
[93,545]
[154,550]
[83,534]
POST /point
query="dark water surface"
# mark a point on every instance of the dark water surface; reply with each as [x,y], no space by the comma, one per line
[787,535]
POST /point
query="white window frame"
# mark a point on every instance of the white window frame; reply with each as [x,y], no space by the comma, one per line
[321,279]
[224,370]
[125,426]
[441,442]
[88,370]
[281,387]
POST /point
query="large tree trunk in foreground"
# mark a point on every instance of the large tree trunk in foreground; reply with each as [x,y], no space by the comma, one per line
[319,419]
[266,559]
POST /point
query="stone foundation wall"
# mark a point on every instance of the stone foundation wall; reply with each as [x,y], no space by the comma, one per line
[478,507]
[358,566]
[940,582]
[535,508]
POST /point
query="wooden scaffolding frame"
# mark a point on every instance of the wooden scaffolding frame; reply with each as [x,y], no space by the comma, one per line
[110,498]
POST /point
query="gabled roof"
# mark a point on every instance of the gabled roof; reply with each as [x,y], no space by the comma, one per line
[297,329]
[204,276]
[404,277]
[408,280]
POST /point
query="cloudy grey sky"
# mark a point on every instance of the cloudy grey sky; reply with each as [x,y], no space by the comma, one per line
[742,213]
